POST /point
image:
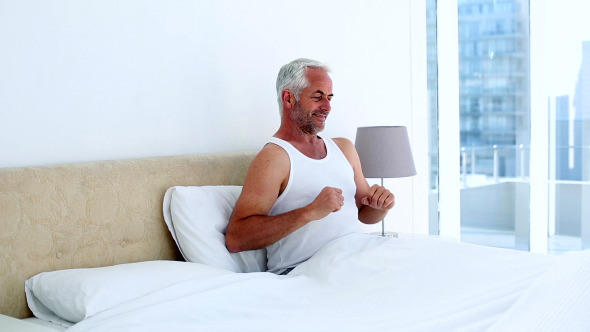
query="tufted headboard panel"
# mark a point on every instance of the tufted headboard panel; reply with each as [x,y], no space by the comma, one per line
[94,214]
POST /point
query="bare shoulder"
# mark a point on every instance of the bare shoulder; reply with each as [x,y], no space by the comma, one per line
[268,172]
[272,156]
[342,141]
[265,180]
[347,148]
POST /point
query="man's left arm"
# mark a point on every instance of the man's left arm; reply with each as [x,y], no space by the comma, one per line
[374,201]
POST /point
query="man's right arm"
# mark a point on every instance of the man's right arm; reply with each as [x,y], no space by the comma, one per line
[250,227]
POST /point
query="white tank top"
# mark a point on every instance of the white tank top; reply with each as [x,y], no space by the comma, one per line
[307,177]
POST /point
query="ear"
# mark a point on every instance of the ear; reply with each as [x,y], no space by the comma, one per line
[288,99]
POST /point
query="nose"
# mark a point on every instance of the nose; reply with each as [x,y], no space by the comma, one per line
[325,106]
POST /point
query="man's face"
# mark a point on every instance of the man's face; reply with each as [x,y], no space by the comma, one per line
[311,111]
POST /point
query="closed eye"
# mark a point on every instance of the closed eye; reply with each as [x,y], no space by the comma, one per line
[321,95]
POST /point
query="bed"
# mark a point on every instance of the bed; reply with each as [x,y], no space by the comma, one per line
[137,245]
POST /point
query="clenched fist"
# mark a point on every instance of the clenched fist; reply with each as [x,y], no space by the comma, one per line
[379,198]
[328,200]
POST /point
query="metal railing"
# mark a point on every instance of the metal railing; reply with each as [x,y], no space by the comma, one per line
[497,163]
[511,162]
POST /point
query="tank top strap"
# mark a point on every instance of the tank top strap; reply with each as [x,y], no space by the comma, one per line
[331,148]
[284,144]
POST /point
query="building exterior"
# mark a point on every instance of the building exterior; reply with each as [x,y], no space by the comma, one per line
[432,87]
[568,140]
[494,83]
[495,132]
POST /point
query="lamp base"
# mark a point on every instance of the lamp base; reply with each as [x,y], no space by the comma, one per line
[386,234]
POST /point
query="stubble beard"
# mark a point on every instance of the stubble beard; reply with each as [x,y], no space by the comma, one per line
[304,120]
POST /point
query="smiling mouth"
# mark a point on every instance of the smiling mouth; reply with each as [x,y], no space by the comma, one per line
[321,115]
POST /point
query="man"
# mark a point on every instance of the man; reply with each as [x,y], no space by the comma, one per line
[303,190]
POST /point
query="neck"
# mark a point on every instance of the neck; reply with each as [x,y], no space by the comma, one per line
[292,134]
[310,145]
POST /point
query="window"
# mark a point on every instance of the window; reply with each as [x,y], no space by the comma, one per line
[568,94]
[503,126]
[432,90]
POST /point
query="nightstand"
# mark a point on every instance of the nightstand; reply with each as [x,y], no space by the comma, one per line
[11,324]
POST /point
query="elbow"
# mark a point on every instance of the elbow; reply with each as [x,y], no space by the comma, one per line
[232,244]
[232,248]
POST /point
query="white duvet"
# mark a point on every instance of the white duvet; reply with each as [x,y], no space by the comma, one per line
[367,283]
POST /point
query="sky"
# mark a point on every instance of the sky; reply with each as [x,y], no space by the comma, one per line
[567,26]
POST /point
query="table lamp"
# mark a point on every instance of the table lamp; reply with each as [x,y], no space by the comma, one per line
[385,153]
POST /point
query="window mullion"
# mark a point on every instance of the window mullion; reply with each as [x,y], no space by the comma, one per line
[448,119]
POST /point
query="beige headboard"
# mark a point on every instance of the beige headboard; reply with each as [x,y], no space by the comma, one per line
[94,214]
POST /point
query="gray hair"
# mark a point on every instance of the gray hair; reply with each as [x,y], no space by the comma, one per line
[292,77]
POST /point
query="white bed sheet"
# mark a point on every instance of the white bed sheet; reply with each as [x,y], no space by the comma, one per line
[360,283]
[46,324]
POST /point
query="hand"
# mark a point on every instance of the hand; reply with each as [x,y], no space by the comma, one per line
[328,200]
[379,198]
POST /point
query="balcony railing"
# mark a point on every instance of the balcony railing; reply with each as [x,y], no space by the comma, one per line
[495,196]
[482,165]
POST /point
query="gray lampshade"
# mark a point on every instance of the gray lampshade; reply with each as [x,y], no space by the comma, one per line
[385,152]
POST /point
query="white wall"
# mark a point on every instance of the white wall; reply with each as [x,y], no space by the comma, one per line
[96,80]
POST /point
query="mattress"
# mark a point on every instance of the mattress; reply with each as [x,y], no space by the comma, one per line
[363,282]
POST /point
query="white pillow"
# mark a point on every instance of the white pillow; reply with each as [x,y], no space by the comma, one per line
[66,297]
[197,218]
